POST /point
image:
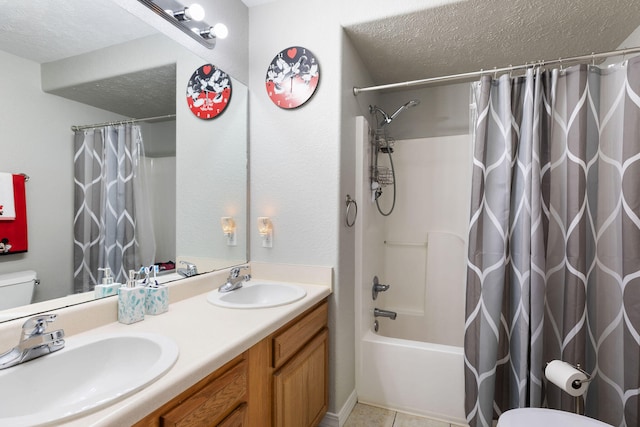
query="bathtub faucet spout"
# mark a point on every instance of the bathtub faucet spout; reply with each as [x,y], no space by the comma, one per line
[384,313]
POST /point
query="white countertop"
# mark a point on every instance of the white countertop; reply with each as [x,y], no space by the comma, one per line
[208,336]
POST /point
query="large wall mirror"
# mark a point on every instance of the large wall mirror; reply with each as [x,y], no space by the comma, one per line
[72,63]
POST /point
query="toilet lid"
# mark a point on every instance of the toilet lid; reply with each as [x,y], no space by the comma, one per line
[17,278]
[536,417]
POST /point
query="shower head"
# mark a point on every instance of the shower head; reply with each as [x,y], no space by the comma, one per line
[386,119]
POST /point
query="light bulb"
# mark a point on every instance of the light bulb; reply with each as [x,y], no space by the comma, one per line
[195,12]
[220,31]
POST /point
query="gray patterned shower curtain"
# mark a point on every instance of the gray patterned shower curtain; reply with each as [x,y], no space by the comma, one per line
[553,267]
[112,222]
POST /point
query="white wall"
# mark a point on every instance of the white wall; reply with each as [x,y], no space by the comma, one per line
[295,157]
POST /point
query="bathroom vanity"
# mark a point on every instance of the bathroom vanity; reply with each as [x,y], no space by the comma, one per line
[236,367]
[281,381]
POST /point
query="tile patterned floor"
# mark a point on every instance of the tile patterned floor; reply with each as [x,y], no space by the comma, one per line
[371,416]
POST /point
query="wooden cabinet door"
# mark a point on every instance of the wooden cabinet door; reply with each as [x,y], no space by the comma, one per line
[301,386]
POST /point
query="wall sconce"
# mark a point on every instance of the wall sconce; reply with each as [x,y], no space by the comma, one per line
[265,229]
[229,229]
[189,20]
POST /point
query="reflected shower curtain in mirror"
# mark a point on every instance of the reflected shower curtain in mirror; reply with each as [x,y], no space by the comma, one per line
[553,266]
[112,219]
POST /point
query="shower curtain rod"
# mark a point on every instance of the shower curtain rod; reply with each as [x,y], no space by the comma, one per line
[463,76]
[122,122]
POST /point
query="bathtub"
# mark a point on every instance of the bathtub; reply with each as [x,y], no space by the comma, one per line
[410,376]
[414,364]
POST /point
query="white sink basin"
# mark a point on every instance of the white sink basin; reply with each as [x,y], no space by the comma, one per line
[88,374]
[257,295]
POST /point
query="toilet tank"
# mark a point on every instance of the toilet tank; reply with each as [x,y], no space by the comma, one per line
[16,289]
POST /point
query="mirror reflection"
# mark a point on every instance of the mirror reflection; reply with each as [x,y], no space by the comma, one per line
[88,64]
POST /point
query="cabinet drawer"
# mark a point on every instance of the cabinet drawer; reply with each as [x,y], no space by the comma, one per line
[238,418]
[213,402]
[288,342]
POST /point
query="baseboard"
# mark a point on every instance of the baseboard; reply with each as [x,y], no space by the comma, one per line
[339,419]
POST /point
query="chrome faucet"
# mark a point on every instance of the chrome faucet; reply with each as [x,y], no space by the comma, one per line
[384,313]
[191,269]
[35,341]
[378,287]
[234,281]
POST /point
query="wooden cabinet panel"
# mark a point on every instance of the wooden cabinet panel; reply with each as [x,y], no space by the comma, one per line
[209,405]
[260,384]
[288,342]
[238,418]
[300,387]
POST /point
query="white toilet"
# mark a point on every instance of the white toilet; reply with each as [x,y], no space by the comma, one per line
[16,289]
[536,417]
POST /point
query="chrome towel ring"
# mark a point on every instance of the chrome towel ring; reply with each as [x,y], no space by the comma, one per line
[350,202]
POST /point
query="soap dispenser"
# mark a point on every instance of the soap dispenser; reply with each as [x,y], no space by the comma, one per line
[108,287]
[131,301]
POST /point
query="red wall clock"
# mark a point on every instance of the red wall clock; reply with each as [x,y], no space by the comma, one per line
[208,92]
[292,77]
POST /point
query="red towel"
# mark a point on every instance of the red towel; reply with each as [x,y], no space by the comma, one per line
[14,233]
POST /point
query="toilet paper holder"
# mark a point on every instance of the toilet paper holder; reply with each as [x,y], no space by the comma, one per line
[577,384]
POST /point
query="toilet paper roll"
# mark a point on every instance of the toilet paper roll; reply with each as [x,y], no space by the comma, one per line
[566,377]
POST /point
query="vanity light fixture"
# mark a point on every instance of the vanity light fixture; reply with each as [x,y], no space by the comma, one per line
[229,229]
[265,229]
[189,19]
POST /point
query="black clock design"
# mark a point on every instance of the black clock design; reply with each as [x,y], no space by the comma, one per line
[292,77]
[208,92]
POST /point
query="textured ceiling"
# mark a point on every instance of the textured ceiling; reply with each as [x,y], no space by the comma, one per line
[44,31]
[132,95]
[479,34]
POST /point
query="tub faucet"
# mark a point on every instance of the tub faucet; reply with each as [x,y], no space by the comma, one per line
[191,269]
[384,313]
[35,341]
[234,281]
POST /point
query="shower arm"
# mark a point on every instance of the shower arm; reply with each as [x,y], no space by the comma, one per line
[373,109]
[386,119]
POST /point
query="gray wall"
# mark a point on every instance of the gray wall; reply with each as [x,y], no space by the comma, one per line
[37,140]
[443,111]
